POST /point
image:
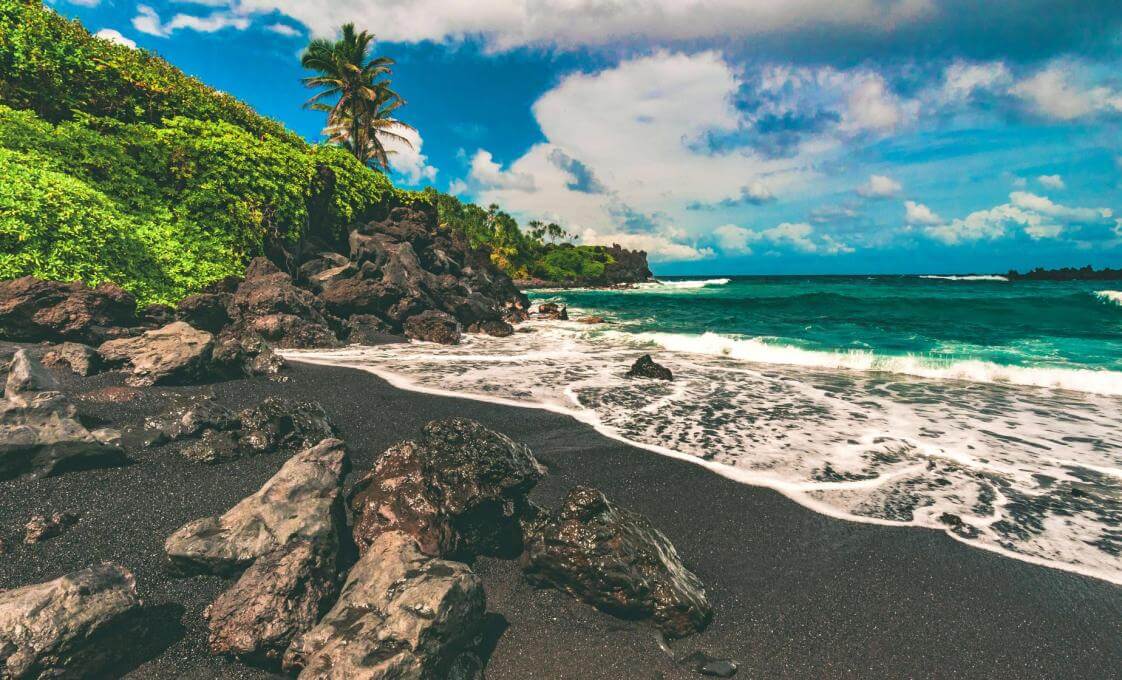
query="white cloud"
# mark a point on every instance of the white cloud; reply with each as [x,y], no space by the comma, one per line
[408,161]
[879,186]
[506,24]
[918,213]
[85,3]
[489,175]
[114,36]
[1037,216]
[961,79]
[1059,92]
[284,29]
[659,247]
[1051,182]
[799,236]
[871,106]
[147,20]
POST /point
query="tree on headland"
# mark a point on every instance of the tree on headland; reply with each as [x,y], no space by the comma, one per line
[354,91]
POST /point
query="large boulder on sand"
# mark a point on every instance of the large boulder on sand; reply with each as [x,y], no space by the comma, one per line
[459,490]
[303,501]
[402,614]
[40,434]
[176,354]
[270,306]
[79,358]
[615,560]
[279,598]
[32,309]
[72,627]
[434,326]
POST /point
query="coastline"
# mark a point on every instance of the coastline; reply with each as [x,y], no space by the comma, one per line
[796,593]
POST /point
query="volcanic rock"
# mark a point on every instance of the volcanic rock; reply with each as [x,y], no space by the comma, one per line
[553,311]
[269,305]
[71,627]
[282,424]
[615,560]
[494,327]
[458,490]
[26,376]
[279,598]
[645,367]
[79,358]
[188,416]
[434,326]
[402,614]
[41,527]
[302,501]
[32,309]
[176,354]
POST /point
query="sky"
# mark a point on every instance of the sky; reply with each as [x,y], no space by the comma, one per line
[723,136]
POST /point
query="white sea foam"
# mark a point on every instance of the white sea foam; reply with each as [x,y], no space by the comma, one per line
[1034,474]
[757,351]
[973,277]
[1112,296]
[683,285]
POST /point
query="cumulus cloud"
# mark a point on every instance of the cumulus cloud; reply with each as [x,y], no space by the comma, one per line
[797,236]
[406,159]
[1051,182]
[754,193]
[147,20]
[879,186]
[918,213]
[961,80]
[1036,216]
[115,36]
[1060,92]
[659,247]
[488,174]
[871,106]
[284,29]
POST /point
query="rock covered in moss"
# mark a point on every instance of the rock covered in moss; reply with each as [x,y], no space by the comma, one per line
[615,560]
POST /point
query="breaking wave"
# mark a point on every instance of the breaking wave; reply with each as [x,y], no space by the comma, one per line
[1112,296]
[977,277]
[687,285]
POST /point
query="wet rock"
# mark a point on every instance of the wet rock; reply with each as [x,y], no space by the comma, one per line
[269,305]
[434,326]
[493,327]
[32,309]
[645,367]
[81,359]
[72,627]
[303,501]
[553,311]
[367,329]
[284,425]
[188,416]
[214,447]
[40,434]
[458,490]
[591,320]
[402,614]
[279,598]
[41,527]
[238,355]
[176,354]
[615,560]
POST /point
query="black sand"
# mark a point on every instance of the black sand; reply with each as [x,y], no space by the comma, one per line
[796,594]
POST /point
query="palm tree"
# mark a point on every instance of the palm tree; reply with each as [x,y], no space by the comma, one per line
[355,92]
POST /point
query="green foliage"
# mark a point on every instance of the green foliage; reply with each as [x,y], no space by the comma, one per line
[567,262]
[54,67]
[354,192]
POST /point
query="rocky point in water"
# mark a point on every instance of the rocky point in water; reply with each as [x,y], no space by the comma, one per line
[646,367]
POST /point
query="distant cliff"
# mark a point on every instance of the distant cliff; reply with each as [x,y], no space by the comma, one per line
[1087,273]
[600,266]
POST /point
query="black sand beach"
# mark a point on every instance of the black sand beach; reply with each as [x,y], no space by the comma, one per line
[796,594]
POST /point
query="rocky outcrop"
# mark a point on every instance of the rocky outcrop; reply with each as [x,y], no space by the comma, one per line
[72,627]
[187,416]
[459,490]
[303,501]
[402,614]
[279,424]
[278,599]
[552,311]
[176,354]
[40,433]
[434,326]
[267,304]
[646,367]
[626,267]
[42,527]
[208,309]
[32,309]
[79,358]
[615,560]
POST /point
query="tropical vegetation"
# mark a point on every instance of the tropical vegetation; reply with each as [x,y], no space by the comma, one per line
[115,166]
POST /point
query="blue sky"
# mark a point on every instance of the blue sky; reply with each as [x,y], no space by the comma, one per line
[724,136]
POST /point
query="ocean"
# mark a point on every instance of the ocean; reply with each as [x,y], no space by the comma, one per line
[987,409]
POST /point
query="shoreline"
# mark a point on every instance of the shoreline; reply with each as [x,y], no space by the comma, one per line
[796,593]
[739,475]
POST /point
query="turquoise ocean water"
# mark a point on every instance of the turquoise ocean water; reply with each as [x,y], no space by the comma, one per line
[987,409]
